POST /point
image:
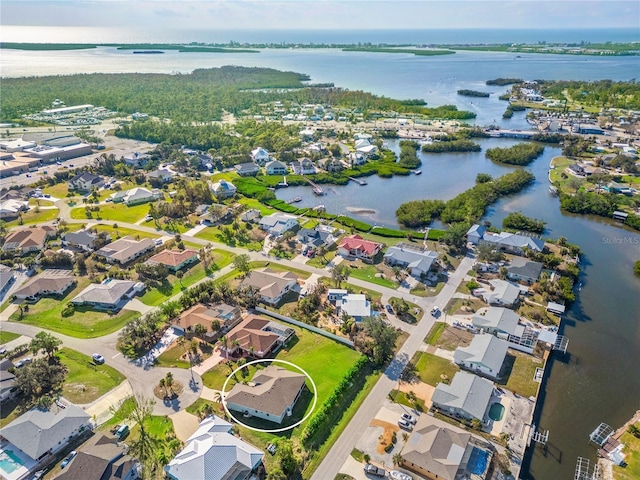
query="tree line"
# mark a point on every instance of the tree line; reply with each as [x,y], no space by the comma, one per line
[520,154]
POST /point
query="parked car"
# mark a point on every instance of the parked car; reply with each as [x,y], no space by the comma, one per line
[389,309]
[157,241]
[122,432]
[404,424]
[97,358]
[23,362]
[398,475]
[68,459]
[375,471]
[271,448]
[409,418]
[435,311]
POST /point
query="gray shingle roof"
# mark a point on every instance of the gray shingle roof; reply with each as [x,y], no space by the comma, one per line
[485,350]
[106,293]
[38,430]
[498,318]
[525,268]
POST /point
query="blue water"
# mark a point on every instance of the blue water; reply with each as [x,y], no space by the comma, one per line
[478,461]
[74,34]
[9,461]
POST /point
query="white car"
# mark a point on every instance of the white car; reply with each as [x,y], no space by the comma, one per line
[97,358]
[404,424]
[397,475]
[435,311]
[409,418]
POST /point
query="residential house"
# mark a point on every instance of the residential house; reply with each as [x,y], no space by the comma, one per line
[37,435]
[13,195]
[304,166]
[226,315]
[555,308]
[259,155]
[316,238]
[439,450]
[331,165]
[271,286]
[523,270]
[12,208]
[214,453]
[367,150]
[353,159]
[8,390]
[223,189]
[51,282]
[512,242]
[467,396]
[418,261]
[501,322]
[271,395]
[278,223]
[252,215]
[136,196]
[85,182]
[28,239]
[354,305]
[485,355]
[212,214]
[174,260]
[615,187]
[248,169]
[503,293]
[354,246]
[102,457]
[137,159]
[111,294]
[475,233]
[275,167]
[125,250]
[82,239]
[257,337]
[576,169]
[6,279]
[161,175]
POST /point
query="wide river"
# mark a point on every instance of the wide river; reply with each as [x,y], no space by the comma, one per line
[598,380]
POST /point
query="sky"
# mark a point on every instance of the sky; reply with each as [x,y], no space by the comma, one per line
[321,14]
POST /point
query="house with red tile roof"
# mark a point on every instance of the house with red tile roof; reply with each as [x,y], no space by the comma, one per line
[355,246]
[174,260]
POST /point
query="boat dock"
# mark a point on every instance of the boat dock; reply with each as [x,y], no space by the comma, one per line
[358,181]
[294,200]
[316,188]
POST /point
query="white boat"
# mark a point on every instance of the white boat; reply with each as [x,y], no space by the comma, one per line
[416,172]
[397,475]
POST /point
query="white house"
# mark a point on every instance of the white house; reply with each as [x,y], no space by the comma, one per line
[417,261]
[353,305]
[475,233]
[136,196]
[485,355]
[271,285]
[504,293]
[247,169]
[304,166]
[85,182]
[162,175]
[259,155]
[12,208]
[467,396]
[278,223]
[223,189]
[276,167]
[214,453]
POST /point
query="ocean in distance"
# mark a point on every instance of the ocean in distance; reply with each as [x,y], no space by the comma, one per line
[52,34]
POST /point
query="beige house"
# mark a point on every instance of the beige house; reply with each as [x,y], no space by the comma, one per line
[174,260]
[51,282]
[257,337]
[28,239]
[271,395]
[271,285]
[125,249]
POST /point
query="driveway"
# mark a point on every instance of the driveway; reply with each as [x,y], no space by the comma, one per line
[184,424]
[209,363]
[101,409]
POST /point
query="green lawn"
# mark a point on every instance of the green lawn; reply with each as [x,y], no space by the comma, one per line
[214,234]
[84,323]
[120,414]
[401,398]
[87,381]
[521,370]
[123,232]
[255,204]
[421,290]
[632,458]
[40,202]
[369,273]
[279,268]
[31,217]
[437,330]
[6,337]
[171,358]
[432,369]
[116,212]
[58,191]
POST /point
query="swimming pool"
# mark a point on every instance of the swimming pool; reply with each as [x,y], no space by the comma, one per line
[9,461]
[496,412]
[478,461]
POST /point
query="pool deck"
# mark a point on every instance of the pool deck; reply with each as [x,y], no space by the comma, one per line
[27,464]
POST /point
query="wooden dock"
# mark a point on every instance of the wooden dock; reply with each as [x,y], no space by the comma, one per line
[316,188]
[358,181]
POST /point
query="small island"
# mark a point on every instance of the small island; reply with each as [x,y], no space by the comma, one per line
[473,93]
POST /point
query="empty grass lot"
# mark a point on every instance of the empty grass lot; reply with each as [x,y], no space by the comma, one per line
[521,368]
[87,381]
[57,191]
[123,232]
[31,217]
[84,323]
[369,273]
[117,212]
[432,369]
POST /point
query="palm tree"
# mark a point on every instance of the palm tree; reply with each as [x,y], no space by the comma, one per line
[115,227]
[397,459]
[168,380]
[163,385]
[145,448]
